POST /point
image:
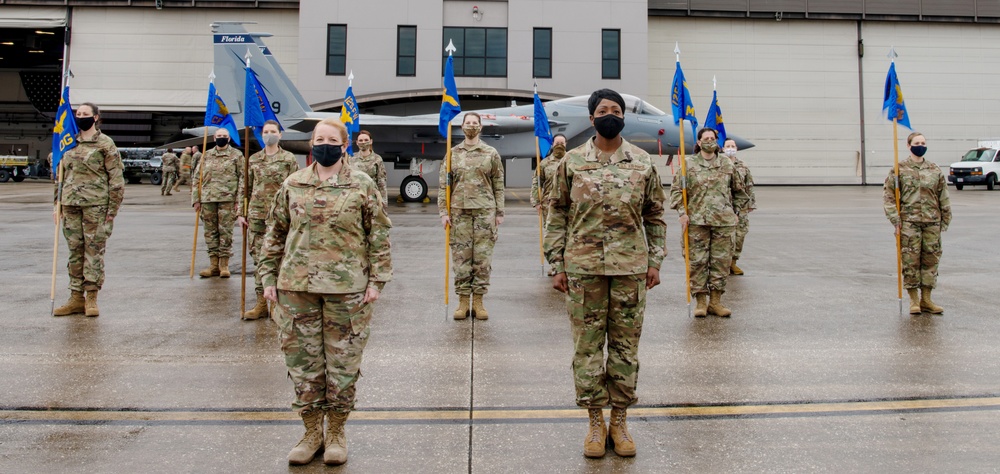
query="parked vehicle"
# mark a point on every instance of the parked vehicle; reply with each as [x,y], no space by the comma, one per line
[13,167]
[979,166]
[139,162]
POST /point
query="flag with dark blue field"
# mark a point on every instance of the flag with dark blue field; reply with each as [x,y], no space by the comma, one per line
[350,116]
[217,115]
[542,130]
[680,99]
[714,119]
[892,99]
[450,108]
[65,130]
[258,107]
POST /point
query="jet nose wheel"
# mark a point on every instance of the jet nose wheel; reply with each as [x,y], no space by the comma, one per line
[413,189]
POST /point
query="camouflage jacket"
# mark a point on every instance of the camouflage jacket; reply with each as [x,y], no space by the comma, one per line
[747,179]
[221,176]
[374,168]
[606,218]
[548,171]
[923,194]
[477,179]
[185,161]
[266,175]
[169,162]
[92,174]
[195,159]
[327,237]
[714,192]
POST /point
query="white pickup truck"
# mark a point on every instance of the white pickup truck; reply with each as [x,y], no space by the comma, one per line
[979,166]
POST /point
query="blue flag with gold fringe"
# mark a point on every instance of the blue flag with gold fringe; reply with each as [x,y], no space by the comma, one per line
[217,115]
[680,99]
[450,108]
[892,99]
[714,119]
[64,132]
[258,107]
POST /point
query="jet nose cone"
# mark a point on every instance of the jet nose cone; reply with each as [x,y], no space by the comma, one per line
[741,143]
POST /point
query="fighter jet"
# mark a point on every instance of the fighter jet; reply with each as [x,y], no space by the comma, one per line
[416,138]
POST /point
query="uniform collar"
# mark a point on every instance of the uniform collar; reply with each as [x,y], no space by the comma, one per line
[591,152]
[97,136]
[466,147]
[312,177]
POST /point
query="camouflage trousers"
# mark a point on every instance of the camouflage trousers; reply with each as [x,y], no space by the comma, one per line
[473,234]
[184,177]
[86,230]
[606,308]
[921,245]
[323,337]
[219,219]
[169,178]
[741,234]
[256,233]
[711,256]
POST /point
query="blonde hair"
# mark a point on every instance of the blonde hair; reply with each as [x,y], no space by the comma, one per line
[909,139]
[333,122]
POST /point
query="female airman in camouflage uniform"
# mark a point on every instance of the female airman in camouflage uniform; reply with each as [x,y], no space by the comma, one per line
[730,150]
[925,212]
[476,212]
[93,188]
[217,195]
[605,237]
[326,260]
[370,163]
[715,195]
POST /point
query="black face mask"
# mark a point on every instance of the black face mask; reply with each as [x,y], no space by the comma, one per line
[84,123]
[918,150]
[327,155]
[221,142]
[609,126]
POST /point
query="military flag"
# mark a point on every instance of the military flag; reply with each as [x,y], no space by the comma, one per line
[65,130]
[714,119]
[350,116]
[450,108]
[892,99]
[258,107]
[217,115]
[542,130]
[680,99]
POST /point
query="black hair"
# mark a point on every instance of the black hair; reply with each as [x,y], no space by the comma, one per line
[697,141]
[602,94]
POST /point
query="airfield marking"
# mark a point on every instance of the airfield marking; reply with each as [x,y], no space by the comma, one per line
[13,416]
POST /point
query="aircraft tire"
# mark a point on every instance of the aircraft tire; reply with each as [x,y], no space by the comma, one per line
[413,189]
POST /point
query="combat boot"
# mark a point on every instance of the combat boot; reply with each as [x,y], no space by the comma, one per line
[733,269]
[715,305]
[177,188]
[925,302]
[621,440]
[597,434]
[336,439]
[477,308]
[914,301]
[75,305]
[701,307]
[90,304]
[213,268]
[463,307]
[224,267]
[258,311]
[168,193]
[312,441]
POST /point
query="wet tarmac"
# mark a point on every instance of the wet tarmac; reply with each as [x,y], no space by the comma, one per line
[816,370]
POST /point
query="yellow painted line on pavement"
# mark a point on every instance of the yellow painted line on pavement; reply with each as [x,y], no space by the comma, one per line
[706,411]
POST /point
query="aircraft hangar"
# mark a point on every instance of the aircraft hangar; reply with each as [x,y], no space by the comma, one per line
[802,79]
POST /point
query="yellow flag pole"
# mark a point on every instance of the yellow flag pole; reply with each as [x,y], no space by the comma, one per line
[197,215]
[55,238]
[899,233]
[538,176]
[447,227]
[687,248]
[243,255]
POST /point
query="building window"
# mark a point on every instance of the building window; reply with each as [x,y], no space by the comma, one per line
[542,64]
[480,52]
[336,50]
[406,51]
[611,54]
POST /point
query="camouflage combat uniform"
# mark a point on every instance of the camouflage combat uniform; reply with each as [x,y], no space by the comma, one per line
[266,175]
[926,212]
[326,243]
[195,159]
[373,166]
[184,175]
[743,227]
[715,194]
[221,196]
[605,230]
[168,172]
[477,199]
[548,172]
[93,188]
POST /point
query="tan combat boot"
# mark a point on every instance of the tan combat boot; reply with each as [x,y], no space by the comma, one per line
[733,269]
[463,307]
[75,305]
[258,311]
[311,442]
[91,304]
[621,440]
[477,308]
[212,270]
[336,439]
[925,301]
[715,305]
[914,300]
[597,434]
[224,267]
[701,308]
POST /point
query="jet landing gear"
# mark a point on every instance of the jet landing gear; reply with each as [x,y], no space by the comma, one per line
[413,189]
